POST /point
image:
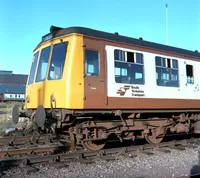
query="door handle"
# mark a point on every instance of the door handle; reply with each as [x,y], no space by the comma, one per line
[101,80]
[197,87]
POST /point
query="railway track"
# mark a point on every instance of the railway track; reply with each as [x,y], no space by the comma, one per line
[86,156]
[31,150]
[17,145]
[7,142]
[20,151]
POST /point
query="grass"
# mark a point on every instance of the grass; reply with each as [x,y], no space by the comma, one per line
[4,127]
[6,119]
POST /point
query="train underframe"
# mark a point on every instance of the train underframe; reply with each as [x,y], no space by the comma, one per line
[91,129]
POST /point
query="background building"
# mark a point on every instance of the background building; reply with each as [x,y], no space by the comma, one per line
[12,86]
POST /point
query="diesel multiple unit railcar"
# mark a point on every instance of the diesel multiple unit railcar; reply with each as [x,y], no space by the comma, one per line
[86,85]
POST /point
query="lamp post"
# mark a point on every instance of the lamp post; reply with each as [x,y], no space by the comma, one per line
[166,24]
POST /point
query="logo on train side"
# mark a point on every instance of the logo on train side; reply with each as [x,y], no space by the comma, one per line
[123,90]
[135,90]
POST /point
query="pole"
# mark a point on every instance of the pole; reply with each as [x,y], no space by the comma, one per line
[166,24]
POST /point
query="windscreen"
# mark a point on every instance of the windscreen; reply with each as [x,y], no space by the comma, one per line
[57,61]
[42,67]
[33,68]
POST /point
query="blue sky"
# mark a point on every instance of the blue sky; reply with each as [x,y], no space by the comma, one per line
[22,23]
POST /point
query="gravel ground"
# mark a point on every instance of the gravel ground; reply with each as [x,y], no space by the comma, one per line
[174,164]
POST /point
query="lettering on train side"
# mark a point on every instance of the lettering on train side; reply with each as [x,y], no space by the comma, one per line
[135,91]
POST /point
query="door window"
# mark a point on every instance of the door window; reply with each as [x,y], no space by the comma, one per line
[189,73]
[92,63]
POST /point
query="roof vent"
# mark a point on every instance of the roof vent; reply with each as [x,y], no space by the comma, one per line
[116,33]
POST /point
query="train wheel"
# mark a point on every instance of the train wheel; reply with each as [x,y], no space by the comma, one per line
[68,141]
[153,139]
[93,145]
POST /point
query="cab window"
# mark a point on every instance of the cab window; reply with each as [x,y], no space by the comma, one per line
[33,68]
[92,63]
[42,67]
[57,61]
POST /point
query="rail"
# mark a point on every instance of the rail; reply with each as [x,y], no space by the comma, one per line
[58,155]
[88,156]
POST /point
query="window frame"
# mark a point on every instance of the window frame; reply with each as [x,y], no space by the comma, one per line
[135,63]
[190,83]
[34,75]
[168,66]
[50,60]
[86,64]
[48,63]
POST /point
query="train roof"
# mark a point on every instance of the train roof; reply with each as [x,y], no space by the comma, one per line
[58,31]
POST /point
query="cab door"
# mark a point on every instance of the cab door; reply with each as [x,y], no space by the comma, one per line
[94,74]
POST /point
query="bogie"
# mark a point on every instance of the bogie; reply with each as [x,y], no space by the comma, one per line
[92,131]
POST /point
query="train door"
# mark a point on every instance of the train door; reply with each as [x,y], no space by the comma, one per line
[94,74]
[197,80]
[190,70]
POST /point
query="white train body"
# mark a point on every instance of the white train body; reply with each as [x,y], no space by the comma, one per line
[187,79]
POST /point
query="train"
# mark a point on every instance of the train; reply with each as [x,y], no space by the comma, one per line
[86,85]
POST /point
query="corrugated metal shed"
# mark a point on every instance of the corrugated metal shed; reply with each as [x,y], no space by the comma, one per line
[13,79]
[12,89]
[12,86]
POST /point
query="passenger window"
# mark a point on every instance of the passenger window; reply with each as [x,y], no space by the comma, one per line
[189,73]
[175,64]
[56,67]
[139,58]
[119,55]
[43,63]
[131,70]
[169,63]
[158,61]
[167,76]
[33,68]
[92,62]
[130,57]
